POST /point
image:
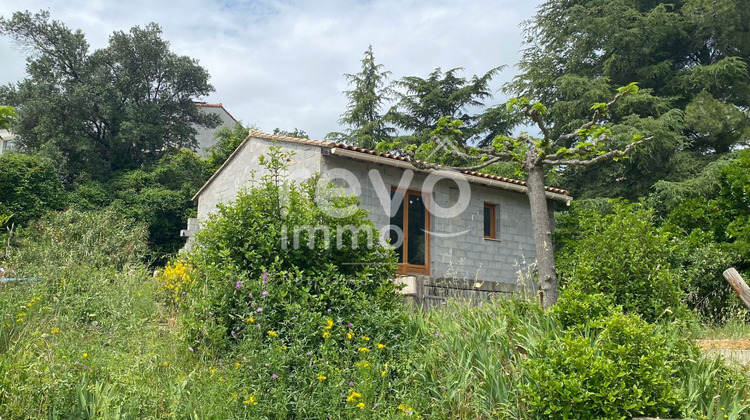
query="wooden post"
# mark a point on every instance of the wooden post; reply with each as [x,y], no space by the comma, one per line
[738,284]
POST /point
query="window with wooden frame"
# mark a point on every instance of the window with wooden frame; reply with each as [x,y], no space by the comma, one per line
[489,221]
[412,220]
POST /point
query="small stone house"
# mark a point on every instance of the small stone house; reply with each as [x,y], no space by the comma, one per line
[467,229]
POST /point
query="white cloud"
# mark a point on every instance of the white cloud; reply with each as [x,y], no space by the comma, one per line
[281,63]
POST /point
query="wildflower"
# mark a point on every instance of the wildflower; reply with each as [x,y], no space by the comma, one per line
[382,372]
[213,371]
[351,383]
[165,363]
[251,319]
[272,333]
[55,331]
[361,406]
[366,338]
[321,378]
[250,401]
[309,353]
[326,335]
[437,335]
[363,350]
[353,395]
[328,310]
[259,310]
[349,335]
[274,376]
[191,349]
[265,276]
[329,324]
[381,346]
[85,355]
[236,365]
[264,293]
[238,285]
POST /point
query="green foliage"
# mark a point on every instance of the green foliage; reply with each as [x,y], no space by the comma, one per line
[296,133]
[624,256]
[111,109]
[317,257]
[227,141]
[7,116]
[690,58]
[619,368]
[366,125]
[29,187]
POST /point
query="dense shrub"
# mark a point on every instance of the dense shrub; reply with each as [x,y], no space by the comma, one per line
[624,256]
[619,367]
[29,187]
[243,269]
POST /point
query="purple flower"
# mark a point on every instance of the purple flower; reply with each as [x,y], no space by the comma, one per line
[274,376]
[329,310]
[260,309]
[349,325]
[351,383]
[264,282]
[191,349]
[443,303]
[233,333]
[265,276]
[437,335]
[264,293]
[309,353]
[238,285]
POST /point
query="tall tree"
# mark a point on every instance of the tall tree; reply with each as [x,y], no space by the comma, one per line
[7,116]
[591,144]
[690,57]
[97,112]
[422,102]
[365,124]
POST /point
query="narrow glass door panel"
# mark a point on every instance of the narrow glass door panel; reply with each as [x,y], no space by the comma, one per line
[416,244]
[397,223]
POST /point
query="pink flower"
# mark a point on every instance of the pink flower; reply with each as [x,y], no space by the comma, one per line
[437,335]
[260,309]
[264,293]
[238,285]
[274,376]
[191,349]
[265,277]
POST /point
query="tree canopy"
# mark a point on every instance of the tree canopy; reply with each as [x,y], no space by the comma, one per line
[690,58]
[114,108]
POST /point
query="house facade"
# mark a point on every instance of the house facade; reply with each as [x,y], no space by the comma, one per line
[444,224]
[206,137]
[6,141]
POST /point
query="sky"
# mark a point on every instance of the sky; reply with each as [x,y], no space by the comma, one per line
[280,63]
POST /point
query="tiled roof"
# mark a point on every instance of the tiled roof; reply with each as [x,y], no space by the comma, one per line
[332,145]
[258,134]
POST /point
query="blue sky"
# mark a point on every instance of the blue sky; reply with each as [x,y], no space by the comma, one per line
[281,63]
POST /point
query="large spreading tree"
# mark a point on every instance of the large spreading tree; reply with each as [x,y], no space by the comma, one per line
[115,108]
[590,143]
[691,60]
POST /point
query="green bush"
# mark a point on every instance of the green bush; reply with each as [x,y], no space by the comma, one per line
[619,367]
[624,256]
[243,270]
[29,187]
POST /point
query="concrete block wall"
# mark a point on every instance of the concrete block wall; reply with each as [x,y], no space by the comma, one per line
[469,255]
[245,169]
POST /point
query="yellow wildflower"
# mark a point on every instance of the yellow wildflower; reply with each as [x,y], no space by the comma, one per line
[236,365]
[353,395]
[363,350]
[329,324]
[55,331]
[381,346]
[165,363]
[382,373]
[251,319]
[366,338]
[250,401]
[272,333]
[321,378]
[85,355]
[361,406]
[349,335]
[326,334]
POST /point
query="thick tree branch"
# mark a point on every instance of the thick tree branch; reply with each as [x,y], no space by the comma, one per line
[588,162]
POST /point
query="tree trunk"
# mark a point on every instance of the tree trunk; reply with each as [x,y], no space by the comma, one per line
[545,253]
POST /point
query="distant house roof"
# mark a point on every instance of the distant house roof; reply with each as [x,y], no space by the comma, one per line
[219,105]
[353,152]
